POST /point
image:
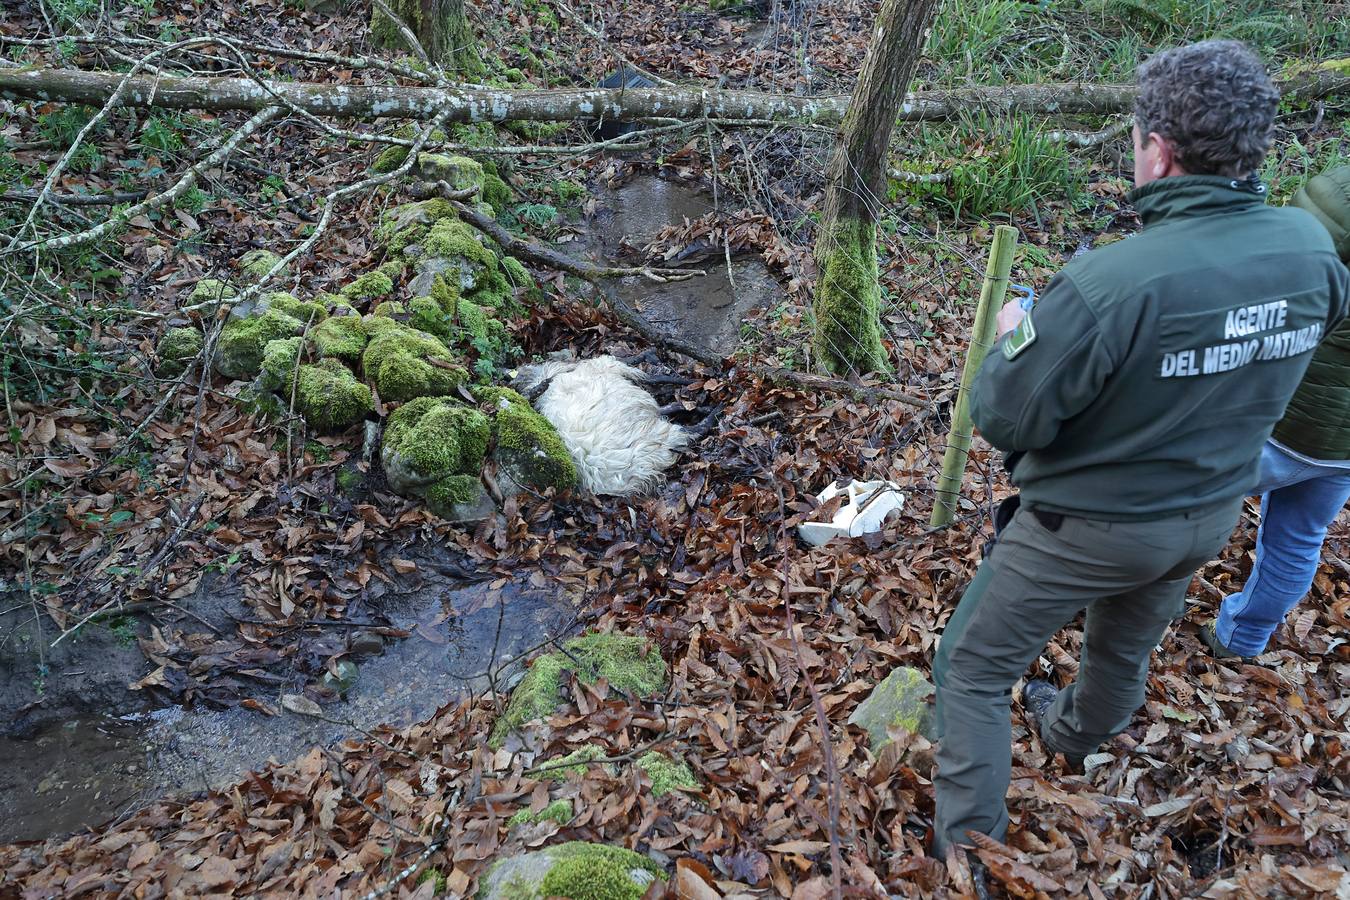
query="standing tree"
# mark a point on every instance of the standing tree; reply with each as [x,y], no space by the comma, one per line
[848,293]
[440,26]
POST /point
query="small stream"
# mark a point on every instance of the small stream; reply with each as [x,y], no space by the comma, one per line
[705,310]
[87,770]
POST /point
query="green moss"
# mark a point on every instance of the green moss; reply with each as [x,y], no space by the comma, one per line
[331,302]
[408,224]
[330,397]
[515,272]
[574,763]
[527,444]
[257,263]
[396,360]
[438,437]
[437,879]
[583,871]
[211,290]
[239,350]
[389,309]
[559,811]
[847,303]
[496,192]
[370,286]
[460,172]
[390,159]
[342,337]
[280,358]
[474,134]
[305,311]
[629,664]
[453,490]
[350,481]
[176,348]
[667,774]
[452,238]
[495,292]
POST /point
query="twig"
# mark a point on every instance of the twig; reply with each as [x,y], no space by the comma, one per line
[75,199]
[408,37]
[920,177]
[1091,138]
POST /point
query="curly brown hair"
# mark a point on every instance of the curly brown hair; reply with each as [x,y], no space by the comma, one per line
[1215,101]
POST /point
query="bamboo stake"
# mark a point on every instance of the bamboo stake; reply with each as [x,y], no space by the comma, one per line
[981,337]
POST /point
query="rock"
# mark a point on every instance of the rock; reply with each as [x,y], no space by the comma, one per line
[177,348]
[257,263]
[900,700]
[397,362]
[345,679]
[529,451]
[575,869]
[434,449]
[629,664]
[366,643]
[210,290]
[460,172]
[239,350]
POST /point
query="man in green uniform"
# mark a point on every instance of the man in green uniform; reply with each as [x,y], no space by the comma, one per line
[1135,397]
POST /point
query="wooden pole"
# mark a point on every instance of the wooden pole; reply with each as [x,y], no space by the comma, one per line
[981,337]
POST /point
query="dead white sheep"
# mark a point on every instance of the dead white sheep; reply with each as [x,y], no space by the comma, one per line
[611,426]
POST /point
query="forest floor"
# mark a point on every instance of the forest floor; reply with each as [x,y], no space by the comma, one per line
[225,560]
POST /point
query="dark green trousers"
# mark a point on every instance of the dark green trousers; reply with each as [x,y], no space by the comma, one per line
[1132,579]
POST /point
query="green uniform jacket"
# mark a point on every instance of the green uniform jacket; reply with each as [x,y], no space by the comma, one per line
[1317,422]
[1151,371]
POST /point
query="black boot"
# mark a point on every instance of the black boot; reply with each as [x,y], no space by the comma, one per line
[1037,698]
[1210,637]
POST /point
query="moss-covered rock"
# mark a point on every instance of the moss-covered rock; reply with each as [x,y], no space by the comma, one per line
[528,448]
[280,360]
[370,286]
[434,449]
[407,224]
[393,156]
[389,310]
[398,361]
[559,811]
[452,239]
[341,337]
[496,192]
[330,397]
[577,870]
[305,310]
[460,172]
[210,290]
[629,664]
[900,701]
[176,348]
[667,774]
[257,263]
[239,350]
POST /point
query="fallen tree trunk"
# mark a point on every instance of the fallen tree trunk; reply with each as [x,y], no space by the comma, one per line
[626,105]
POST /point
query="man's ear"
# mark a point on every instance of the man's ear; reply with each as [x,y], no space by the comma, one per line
[1164,156]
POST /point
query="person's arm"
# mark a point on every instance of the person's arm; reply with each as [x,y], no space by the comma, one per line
[1047,370]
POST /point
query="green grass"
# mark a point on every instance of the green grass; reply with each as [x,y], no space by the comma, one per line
[995,166]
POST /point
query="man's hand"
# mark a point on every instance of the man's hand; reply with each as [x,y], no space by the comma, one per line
[1009,317]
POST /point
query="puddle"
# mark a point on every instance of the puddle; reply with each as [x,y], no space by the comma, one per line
[705,310]
[87,771]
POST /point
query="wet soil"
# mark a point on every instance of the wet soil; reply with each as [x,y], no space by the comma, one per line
[88,769]
[707,310]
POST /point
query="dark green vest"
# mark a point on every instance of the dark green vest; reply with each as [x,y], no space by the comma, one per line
[1317,420]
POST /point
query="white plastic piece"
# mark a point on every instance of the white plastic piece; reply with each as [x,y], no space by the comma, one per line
[865,508]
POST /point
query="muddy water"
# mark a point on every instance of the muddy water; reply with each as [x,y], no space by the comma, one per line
[87,771]
[706,310]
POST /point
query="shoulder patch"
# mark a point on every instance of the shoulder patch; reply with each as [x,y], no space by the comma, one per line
[1020,338]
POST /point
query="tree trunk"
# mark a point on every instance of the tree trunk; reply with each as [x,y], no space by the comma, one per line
[440,26]
[848,292]
[355,101]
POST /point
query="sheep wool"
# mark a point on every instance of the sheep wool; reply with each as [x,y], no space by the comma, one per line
[610,425]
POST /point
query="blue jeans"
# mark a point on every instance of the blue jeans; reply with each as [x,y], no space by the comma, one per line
[1299,499]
